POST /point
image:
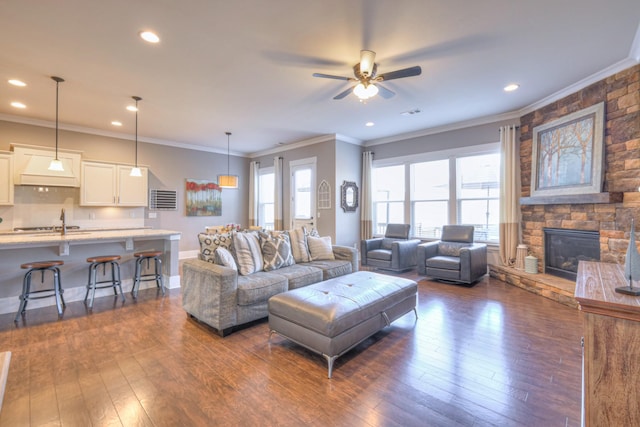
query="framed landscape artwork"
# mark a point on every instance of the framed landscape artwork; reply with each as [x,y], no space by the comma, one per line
[568,154]
[203,198]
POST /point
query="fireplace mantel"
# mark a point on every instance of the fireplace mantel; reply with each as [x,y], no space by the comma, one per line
[573,199]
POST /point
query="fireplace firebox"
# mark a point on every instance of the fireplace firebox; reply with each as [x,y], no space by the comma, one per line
[564,248]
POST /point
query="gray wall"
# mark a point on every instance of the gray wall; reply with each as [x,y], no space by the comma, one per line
[168,169]
[337,161]
[325,154]
[474,135]
[348,168]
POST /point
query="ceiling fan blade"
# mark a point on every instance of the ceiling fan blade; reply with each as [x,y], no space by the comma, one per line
[384,92]
[329,76]
[405,72]
[367,59]
[344,93]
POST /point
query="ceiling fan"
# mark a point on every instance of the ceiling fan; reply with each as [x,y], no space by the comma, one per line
[368,81]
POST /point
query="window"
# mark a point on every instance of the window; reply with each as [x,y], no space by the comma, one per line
[266,191]
[303,200]
[479,194]
[429,197]
[444,188]
[388,197]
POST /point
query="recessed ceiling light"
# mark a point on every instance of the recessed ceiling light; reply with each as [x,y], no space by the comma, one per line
[18,104]
[511,87]
[132,108]
[17,83]
[149,36]
[116,123]
[369,124]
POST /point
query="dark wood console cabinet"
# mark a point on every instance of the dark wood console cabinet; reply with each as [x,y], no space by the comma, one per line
[611,377]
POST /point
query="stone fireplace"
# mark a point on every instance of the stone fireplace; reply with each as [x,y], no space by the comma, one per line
[607,214]
[564,249]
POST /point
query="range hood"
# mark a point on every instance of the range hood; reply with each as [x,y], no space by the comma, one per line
[31,166]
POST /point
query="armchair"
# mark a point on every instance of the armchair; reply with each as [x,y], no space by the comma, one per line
[395,251]
[454,258]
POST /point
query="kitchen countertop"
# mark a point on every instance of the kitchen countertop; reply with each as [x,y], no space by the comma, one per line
[73,248]
[41,238]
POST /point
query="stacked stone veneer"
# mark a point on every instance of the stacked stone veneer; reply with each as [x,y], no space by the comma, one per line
[621,95]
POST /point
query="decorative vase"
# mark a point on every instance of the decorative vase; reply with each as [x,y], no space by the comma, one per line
[531,264]
[521,253]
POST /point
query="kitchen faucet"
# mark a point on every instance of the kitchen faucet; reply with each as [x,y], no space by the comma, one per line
[63,230]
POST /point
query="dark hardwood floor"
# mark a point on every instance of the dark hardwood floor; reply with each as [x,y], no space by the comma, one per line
[489,355]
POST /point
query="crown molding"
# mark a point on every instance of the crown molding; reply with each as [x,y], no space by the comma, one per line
[575,87]
[98,132]
[305,143]
[634,52]
[444,128]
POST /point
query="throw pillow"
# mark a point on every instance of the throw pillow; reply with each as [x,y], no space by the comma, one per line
[246,249]
[225,258]
[320,248]
[298,239]
[210,242]
[276,251]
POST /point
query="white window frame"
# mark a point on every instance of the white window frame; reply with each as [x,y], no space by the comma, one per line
[311,163]
[260,204]
[452,155]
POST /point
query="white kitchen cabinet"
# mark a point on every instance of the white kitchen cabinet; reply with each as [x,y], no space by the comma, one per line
[106,184]
[6,179]
[132,190]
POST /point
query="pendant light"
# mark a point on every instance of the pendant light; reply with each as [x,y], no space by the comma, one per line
[56,164]
[136,170]
[228,181]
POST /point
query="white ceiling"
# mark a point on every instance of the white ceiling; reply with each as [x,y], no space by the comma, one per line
[246,66]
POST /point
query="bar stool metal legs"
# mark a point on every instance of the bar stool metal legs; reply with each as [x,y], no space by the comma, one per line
[114,282]
[28,294]
[139,277]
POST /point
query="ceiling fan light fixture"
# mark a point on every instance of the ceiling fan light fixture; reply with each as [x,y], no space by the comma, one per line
[365,92]
[367,58]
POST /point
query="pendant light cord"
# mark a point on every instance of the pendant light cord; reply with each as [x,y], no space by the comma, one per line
[136,98]
[58,80]
[57,87]
[136,133]
[228,168]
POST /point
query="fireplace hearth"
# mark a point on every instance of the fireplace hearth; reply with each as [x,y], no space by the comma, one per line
[564,248]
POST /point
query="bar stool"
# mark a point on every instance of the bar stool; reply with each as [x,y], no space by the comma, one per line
[27,293]
[114,282]
[139,277]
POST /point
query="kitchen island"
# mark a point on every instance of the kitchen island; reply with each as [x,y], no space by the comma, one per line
[73,248]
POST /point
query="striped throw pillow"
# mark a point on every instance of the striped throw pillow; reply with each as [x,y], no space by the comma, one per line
[320,248]
[246,250]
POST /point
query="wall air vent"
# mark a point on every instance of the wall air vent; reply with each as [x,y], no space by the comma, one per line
[163,200]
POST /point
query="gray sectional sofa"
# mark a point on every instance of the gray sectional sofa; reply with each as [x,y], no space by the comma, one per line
[223,299]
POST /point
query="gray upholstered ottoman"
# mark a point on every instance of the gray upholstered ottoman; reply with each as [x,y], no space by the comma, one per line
[333,316]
